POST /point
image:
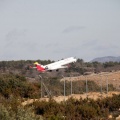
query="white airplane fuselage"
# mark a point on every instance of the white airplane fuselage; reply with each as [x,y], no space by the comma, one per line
[56,65]
[60,64]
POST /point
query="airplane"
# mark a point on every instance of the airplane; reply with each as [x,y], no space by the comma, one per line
[55,65]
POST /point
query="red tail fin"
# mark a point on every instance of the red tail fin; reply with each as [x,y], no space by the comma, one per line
[39,68]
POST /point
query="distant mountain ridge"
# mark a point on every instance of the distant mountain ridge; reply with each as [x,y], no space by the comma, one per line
[106,59]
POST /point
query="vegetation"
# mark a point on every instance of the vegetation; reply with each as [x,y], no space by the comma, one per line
[18,86]
[51,110]
[19,113]
[18,83]
[73,109]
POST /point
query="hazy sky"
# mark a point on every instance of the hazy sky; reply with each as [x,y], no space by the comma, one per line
[55,29]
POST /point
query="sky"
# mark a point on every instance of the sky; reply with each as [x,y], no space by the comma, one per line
[56,29]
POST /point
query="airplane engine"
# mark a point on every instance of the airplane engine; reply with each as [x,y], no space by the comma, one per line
[46,67]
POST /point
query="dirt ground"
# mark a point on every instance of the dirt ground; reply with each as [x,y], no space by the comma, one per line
[92,95]
[101,78]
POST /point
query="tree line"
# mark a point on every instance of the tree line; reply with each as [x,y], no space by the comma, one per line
[80,67]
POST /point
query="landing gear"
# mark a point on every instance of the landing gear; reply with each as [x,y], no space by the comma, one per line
[57,70]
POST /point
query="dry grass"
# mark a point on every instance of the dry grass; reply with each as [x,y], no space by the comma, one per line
[92,95]
[112,77]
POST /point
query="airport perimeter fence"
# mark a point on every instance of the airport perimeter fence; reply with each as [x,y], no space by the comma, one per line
[102,83]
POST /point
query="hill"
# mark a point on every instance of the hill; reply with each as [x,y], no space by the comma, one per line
[106,59]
